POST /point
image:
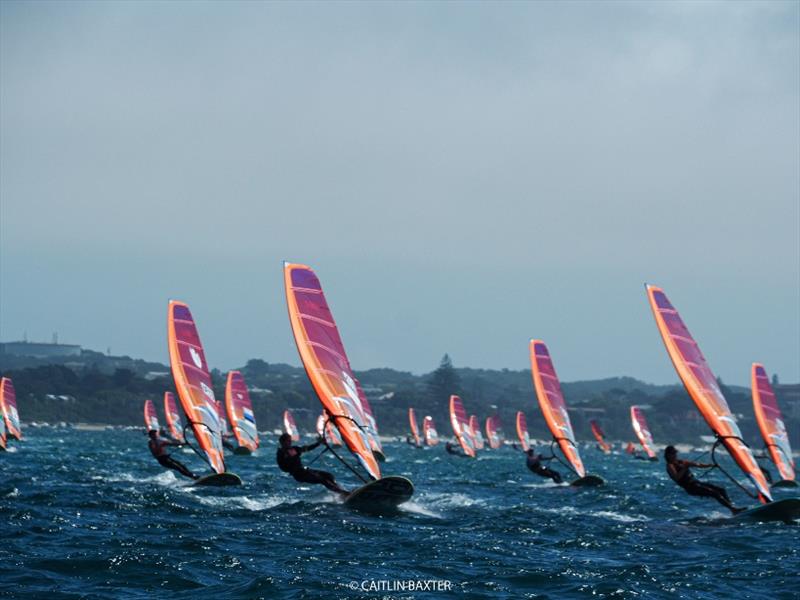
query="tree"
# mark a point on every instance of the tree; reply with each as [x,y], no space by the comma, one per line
[443,382]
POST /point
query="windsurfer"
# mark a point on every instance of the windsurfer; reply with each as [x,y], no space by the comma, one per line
[534,463]
[158,447]
[679,471]
[453,449]
[288,458]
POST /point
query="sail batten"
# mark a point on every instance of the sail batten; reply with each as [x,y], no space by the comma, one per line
[701,384]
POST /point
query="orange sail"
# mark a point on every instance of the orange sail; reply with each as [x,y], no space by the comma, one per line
[150,417]
[551,401]
[289,425]
[770,422]
[412,421]
[460,424]
[599,436]
[240,411]
[702,386]
[642,430]
[492,432]
[8,406]
[323,355]
[429,431]
[475,430]
[173,417]
[193,382]
[522,431]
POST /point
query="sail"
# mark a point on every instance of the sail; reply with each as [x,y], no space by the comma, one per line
[240,411]
[492,432]
[412,421]
[289,425]
[642,430]
[599,436]
[193,382]
[2,434]
[551,401]
[429,431]
[334,439]
[702,386]
[770,422]
[150,416]
[475,430]
[326,429]
[324,358]
[8,404]
[173,417]
[372,424]
[522,431]
[460,424]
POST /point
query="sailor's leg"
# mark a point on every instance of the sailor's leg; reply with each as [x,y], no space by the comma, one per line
[171,463]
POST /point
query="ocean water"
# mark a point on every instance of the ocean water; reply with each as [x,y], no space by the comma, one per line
[89,514]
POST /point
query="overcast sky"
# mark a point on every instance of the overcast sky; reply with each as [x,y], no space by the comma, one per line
[462,177]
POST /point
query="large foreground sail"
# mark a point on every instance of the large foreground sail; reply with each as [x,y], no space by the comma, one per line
[551,401]
[522,431]
[460,424]
[173,417]
[412,422]
[770,422]
[323,355]
[642,430]
[702,386]
[429,431]
[193,382]
[240,411]
[8,405]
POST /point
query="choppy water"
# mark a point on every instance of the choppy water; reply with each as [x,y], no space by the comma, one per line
[92,515]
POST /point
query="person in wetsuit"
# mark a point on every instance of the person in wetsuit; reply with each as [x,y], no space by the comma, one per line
[679,471]
[158,447]
[453,449]
[288,458]
[534,463]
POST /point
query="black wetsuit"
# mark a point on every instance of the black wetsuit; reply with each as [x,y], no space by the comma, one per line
[694,487]
[289,462]
[165,460]
[534,463]
[451,449]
